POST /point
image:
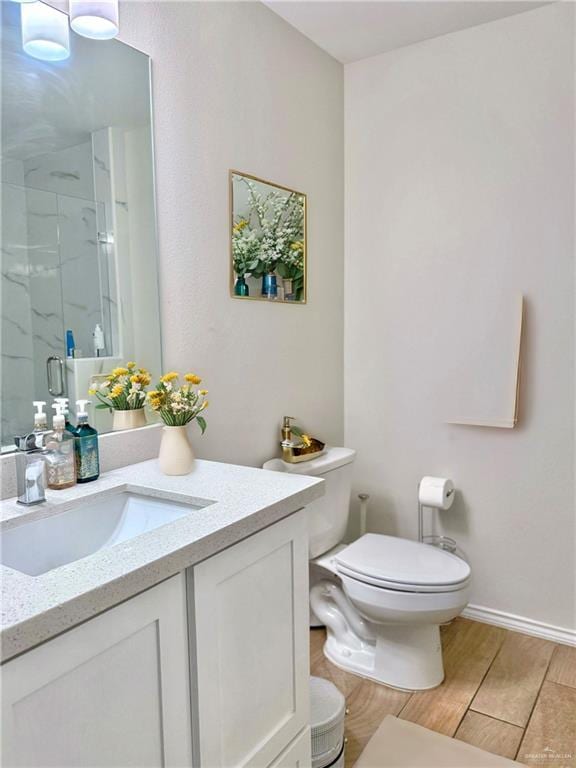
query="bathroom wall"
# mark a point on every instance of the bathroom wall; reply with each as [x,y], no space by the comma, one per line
[237,87]
[460,177]
[53,272]
[16,338]
[137,219]
[63,253]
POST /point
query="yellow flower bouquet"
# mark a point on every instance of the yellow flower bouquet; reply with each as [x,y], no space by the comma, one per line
[124,389]
[177,404]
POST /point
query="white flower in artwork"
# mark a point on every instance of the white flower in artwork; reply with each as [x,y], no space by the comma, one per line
[268,234]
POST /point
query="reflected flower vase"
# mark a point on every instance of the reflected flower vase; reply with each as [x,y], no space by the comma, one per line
[128,419]
[176,456]
[241,287]
[269,286]
[288,289]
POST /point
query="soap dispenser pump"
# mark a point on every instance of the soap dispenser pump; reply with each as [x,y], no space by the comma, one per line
[86,446]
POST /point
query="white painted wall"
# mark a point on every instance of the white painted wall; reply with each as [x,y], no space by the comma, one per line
[236,87]
[460,176]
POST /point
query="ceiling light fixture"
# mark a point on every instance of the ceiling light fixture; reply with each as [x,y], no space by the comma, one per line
[97,19]
[45,33]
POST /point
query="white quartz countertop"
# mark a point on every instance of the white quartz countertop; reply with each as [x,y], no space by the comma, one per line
[246,500]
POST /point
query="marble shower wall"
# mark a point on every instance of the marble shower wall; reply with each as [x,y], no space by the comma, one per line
[80,274]
[76,288]
[45,285]
[67,172]
[107,245]
[17,354]
[55,274]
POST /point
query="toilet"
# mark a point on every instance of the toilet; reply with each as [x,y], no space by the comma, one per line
[381,598]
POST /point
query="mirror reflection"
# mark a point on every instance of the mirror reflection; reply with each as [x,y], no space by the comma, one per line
[267,240]
[79,271]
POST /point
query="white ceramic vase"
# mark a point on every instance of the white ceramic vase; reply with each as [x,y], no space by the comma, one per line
[176,456]
[128,419]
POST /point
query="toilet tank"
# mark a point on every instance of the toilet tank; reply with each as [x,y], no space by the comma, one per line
[327,517]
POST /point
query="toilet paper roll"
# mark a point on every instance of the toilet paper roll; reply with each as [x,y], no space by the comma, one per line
[436,492]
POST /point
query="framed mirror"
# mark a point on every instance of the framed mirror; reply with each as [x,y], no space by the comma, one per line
[79,250]
[267,240]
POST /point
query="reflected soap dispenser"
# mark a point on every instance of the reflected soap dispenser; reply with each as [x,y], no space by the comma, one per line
[60,460]
[86,446]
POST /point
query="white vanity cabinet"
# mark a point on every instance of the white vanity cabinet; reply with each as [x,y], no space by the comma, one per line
[251,666]
[111,692]
[297,754]
[207,669]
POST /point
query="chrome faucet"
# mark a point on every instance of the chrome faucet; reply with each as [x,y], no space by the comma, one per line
[30,468]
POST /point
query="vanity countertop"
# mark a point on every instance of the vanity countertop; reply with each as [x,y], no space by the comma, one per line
[246,500]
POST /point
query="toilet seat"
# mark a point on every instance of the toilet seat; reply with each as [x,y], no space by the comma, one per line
[402,565]
[394,586]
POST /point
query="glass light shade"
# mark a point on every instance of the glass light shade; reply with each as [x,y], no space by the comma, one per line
[97,19]
[45,33]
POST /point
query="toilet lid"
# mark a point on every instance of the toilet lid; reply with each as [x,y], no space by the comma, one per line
[401,563]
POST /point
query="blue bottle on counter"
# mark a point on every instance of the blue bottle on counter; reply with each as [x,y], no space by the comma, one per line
[86,446]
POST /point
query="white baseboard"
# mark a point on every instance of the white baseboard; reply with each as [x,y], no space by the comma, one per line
[520,624]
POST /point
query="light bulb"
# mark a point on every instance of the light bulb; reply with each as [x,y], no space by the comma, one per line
[45,33]
[97,19]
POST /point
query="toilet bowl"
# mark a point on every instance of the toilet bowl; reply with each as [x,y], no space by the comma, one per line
[381,598]
[382,607]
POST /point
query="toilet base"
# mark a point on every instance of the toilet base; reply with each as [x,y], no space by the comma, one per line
[404,656]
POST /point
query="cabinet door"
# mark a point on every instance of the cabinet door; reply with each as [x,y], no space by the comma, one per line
[298,754]
[111,692]
[251,633]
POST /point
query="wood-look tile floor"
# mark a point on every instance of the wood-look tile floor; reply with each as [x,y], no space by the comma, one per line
[504,692]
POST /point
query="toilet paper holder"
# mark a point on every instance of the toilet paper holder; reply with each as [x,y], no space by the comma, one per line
[443,542]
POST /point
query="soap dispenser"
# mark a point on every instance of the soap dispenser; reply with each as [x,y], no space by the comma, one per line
[30,460]
[63,401]
[60,461]
[98,338]
[86,446]
[287,430]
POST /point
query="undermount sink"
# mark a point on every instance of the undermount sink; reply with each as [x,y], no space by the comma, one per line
[42,545]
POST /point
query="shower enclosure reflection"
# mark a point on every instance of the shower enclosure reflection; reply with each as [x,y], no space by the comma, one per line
[78,231]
